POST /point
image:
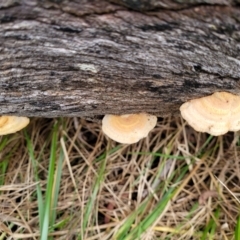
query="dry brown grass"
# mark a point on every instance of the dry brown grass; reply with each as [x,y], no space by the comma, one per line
[129,178]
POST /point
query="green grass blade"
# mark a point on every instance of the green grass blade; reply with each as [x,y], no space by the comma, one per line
[90,204]
[39,191]
[48,211]
[57,181]
[4,161]
[124,232]
[124,229]
[103,156]
[3,142]
[151,218]
[206,143]
[237,229]
[159,155]
[210,229]
[3,169]
[214,224]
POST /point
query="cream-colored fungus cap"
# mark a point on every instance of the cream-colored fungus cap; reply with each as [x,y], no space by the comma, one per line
[128,128]
[12,124]
[215,114]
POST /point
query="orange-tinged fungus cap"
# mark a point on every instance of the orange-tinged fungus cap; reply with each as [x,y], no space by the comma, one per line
[128,128]
[12,124]
[215,114]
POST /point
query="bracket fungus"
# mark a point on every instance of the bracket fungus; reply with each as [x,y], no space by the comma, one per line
[128,128]
[12,124]
[215,114]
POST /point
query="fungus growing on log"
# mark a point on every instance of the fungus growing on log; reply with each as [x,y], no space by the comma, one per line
[12,124]
[128,128]
[215,114]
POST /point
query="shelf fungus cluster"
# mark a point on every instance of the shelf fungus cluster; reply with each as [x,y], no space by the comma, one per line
[215,114]
[12,124]
[128,128]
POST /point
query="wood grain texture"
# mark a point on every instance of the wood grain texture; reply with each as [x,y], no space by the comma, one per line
[92,57]
[144,5]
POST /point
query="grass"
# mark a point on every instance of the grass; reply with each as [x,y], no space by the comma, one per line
[237,229]
[92,200]
[62,179]
[47,206]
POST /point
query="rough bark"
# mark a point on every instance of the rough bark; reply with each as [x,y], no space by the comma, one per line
[143,5]
[92,57]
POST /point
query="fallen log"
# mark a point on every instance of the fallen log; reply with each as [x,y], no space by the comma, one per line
[89,58]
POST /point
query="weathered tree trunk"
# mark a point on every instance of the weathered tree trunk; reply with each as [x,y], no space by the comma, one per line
[92,57]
